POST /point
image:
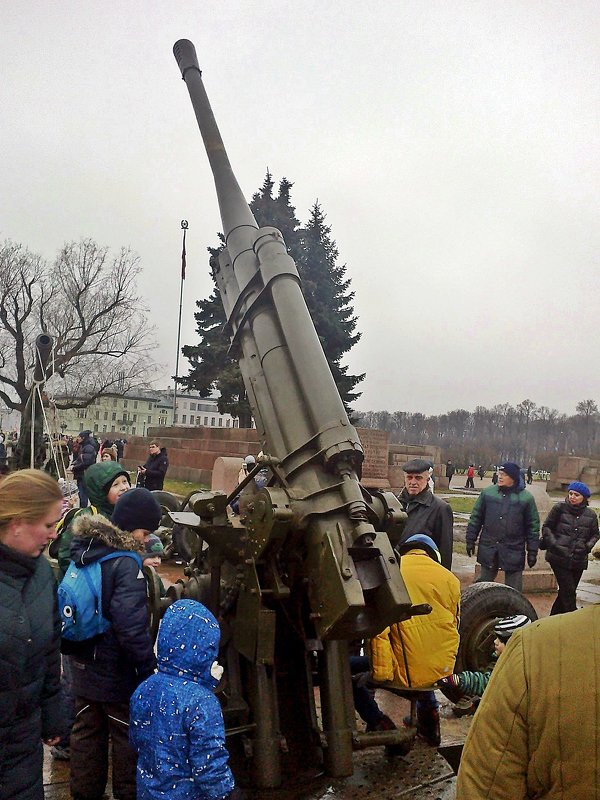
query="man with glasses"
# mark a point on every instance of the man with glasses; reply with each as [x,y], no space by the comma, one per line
[427,513]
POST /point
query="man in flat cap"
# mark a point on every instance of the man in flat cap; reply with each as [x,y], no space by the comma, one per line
[506,522]
[427,513]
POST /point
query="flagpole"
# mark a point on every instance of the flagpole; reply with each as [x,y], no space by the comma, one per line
[184,227]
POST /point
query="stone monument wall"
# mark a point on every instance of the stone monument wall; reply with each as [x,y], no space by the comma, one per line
[575,468]
[193,452]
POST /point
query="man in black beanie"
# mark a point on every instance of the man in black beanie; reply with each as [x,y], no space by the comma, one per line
[507,518]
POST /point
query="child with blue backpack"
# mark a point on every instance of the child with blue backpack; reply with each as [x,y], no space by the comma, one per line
[176,720]
[104,483]
[110,664]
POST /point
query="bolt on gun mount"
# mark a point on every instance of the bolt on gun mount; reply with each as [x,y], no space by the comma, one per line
[313,532]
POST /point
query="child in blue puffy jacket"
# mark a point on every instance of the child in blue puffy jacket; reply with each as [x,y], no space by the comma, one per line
[176,723]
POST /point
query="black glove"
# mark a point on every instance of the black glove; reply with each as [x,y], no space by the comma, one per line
[470,549]
[531,559]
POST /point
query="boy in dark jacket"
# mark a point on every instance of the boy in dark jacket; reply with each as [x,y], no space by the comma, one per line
[107,668]
[176,720]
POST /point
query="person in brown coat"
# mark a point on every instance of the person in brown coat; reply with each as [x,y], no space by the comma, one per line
[535,734]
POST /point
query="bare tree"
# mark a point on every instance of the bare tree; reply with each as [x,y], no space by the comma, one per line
[585,422]
[87,301]
[527,433]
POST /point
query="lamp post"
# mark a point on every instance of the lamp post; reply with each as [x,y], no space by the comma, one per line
[184,227]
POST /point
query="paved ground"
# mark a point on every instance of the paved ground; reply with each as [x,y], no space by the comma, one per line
[423,774]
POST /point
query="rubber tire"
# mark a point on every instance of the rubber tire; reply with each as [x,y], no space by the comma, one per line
[167,500]
[481,605]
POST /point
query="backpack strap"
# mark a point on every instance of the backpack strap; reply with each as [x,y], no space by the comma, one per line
[109,557]
[118,553]
[68,518]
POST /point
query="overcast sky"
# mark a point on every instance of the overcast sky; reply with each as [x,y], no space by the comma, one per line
[452,145]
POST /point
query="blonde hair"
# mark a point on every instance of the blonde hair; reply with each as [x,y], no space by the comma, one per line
[27,494]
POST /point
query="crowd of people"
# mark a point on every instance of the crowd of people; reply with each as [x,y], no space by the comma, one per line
[71,660]
[81,690]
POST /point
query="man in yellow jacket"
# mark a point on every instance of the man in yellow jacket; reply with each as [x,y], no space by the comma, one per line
[536,733]
[419,651]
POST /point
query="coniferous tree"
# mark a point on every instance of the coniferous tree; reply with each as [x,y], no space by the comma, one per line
[211,366]
[329,300]
[327,295]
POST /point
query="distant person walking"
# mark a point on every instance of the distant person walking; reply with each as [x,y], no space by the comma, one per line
[120,445]
[568,535]
[154,470]
[470,484]
[506,521]
[481,472]
[449,471]
[529,475]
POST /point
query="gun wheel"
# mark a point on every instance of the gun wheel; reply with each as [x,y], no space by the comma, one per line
[480,606]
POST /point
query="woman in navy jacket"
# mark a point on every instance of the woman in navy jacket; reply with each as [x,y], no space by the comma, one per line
[30,507]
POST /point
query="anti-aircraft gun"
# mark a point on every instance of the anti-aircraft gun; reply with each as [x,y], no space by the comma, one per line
[313,565]
[309,565]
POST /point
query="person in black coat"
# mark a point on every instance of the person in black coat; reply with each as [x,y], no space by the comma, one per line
[30,708]
[86,456]
[154,470]
[427,513]
[107,668]
[568,535]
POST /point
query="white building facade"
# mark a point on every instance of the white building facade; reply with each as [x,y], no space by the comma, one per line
[134,413]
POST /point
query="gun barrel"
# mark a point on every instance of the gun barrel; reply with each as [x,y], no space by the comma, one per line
[297,408]
[232,204]
[43,348]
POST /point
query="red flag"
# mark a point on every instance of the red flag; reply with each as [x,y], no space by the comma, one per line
[183,259]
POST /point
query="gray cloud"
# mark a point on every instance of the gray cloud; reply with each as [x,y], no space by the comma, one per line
[452,146]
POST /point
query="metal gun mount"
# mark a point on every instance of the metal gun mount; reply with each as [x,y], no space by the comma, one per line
[309,564]
[30,449]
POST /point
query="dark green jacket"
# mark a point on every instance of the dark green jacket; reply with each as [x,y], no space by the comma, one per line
[97,479]
[506,522]
[29,671]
